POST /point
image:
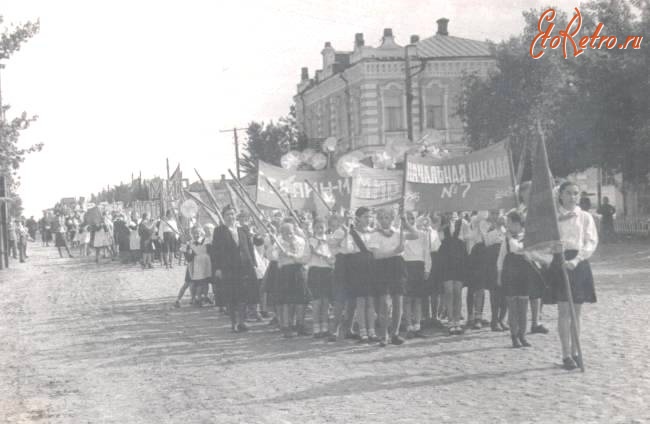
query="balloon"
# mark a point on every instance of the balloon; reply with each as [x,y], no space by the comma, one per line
[329,198]
[307,154]
[290,160]
[318,161]
[382,160]
[329,145]
[347,166]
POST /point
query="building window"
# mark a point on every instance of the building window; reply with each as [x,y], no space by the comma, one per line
[434,110]
[393,112]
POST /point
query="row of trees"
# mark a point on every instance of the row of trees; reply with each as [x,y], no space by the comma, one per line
[595,107]
[11,154]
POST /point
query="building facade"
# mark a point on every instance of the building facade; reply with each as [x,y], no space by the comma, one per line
[360,96]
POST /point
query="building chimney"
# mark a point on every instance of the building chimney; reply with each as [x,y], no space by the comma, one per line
[358,40]
[223,177]
[442,26]
[328,45]
[304,74]
[388,33]
[415,39]
[388,41]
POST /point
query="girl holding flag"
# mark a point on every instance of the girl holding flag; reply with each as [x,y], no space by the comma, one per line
[319,278]
[579,239]
[417,259]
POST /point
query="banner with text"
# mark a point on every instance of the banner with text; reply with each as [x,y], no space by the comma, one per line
[376,188]
[296,192]
[481,180]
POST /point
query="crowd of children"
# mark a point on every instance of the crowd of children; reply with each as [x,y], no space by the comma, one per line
[376,276]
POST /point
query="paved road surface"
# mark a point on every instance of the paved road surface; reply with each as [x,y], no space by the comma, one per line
[82,343]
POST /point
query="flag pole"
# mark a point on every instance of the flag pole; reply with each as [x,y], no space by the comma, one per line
[514,179]
[320,196]
[207,208]
[565,277]
[243,190]
[215,205]
[284,202]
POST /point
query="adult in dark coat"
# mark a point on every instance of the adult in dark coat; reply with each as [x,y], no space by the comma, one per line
[233,261]
[122,237]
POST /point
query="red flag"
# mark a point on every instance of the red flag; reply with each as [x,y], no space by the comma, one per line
[541,220]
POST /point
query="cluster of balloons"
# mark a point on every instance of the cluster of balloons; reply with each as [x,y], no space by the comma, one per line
[309,157]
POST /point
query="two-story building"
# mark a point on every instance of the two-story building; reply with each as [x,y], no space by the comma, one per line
[359,96]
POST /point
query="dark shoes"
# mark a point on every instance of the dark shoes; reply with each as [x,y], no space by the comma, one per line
[569,364]
[523,341]
[515,342]
[538,329]
[177,304]
[577,360]
[396,340]
[352,336]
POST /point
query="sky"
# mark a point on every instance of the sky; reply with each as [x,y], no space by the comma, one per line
[121,85]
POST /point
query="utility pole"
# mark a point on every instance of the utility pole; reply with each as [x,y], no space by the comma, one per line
[4,213]
[234,131]
[409,93]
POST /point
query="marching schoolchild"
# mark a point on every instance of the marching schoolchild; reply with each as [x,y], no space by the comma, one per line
[417,260]
[389,273]
[453,270]
[319,277]
[292,291]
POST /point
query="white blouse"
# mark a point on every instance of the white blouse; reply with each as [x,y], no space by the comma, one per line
[419,250]
[578,232]
[516,246]
[320,252]
[296,247]
[383,245]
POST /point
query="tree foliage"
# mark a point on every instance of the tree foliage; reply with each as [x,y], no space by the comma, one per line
[11,154]
[268,142]
[594,107]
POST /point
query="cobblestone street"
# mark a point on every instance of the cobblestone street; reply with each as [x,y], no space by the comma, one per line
[87,343]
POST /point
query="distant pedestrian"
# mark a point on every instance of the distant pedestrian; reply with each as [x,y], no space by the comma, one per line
[60,241]
[606,212]
[146,230]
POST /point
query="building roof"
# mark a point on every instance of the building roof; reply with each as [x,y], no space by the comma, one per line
[448,46]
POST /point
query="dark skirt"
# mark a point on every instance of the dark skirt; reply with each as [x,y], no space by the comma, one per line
[147,245]
[235,289]
[519,277]
[476,278]
[60,240]
[434,283]
[390,276]
[271,283]
[359,274]
[416,286]
[490,266]
[169,242]
[581,280]
[319,280]
[453,260]
[292,285]
[340,290]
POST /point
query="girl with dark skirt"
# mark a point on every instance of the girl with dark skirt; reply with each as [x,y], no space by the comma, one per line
[292,290]
[343,301]
[476,282]
[433,304]
[60,241]
[579,239]
[319,278]
[493,239]
[199,266]
[453,270]
[146,231]
[389,273]
[359,275]
[518,278]
[417,259]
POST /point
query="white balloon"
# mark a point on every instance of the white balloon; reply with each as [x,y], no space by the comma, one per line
[290,160]
[318,161]
[307,154]
[329,145]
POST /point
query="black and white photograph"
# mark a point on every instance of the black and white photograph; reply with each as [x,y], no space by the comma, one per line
[309,211]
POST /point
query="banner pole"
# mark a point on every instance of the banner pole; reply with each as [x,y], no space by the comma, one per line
[207,208]
[403,201]
[259,220]
[565,277]
[513,178]
[277,193]
[318,195]
[245,192]
[210,195]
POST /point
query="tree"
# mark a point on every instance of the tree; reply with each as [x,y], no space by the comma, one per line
[269,142]
[11,155]
[594,107]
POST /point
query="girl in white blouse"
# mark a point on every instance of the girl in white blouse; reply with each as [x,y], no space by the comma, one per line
[579,239]
[417,258]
